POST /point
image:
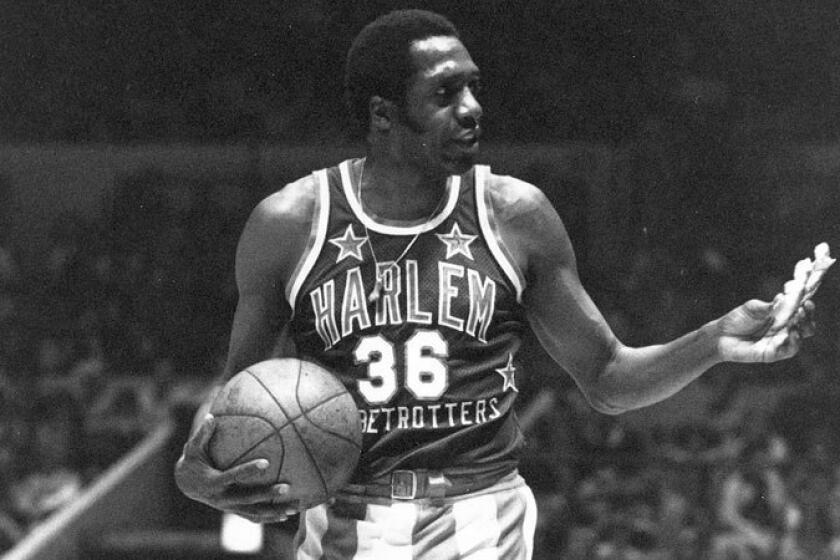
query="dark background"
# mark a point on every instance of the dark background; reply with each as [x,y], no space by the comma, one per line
[130,71]
[692,149]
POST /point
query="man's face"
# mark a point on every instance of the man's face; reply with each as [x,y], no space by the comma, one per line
[438,125]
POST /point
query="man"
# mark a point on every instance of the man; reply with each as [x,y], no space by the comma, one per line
[412,273]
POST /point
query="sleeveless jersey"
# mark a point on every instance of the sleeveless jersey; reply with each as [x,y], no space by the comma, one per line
[431,362]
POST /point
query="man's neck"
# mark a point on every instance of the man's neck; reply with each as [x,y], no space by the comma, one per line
[398,191]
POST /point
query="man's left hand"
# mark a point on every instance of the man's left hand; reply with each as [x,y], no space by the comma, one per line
[745,336]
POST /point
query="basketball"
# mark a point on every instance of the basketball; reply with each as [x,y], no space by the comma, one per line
[299,417]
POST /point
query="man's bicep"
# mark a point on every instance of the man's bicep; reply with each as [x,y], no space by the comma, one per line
[262,268]
[561,313]
[568,324]
[257,329]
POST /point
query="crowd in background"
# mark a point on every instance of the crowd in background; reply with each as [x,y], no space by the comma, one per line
[742,488]
[124,315]
[127,314]
[118,321]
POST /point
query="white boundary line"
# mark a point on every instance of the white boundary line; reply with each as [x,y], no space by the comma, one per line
[43,534]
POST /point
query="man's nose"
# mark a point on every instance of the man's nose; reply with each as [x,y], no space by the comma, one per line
[469,110]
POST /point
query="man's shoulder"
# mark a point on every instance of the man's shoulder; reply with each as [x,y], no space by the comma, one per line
[277,231]
[526,219]
[512,197]
[294,200]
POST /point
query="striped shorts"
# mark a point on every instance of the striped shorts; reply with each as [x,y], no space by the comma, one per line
[496,523]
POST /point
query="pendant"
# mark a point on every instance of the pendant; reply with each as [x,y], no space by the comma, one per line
[376,291]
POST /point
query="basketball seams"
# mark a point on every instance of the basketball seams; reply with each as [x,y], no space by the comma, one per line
[305,413]
[250,409]
[256,444]
[303,441]
[291,419]
[291,422]
[325,430]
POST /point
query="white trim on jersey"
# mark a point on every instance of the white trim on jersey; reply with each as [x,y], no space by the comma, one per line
[317,235]
[453,187]
[486,221]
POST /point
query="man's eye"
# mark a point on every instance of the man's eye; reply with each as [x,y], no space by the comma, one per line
[445,92]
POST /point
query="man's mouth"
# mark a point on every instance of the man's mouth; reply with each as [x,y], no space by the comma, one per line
[467,140]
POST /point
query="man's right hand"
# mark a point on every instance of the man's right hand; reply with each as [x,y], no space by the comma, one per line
[236,490]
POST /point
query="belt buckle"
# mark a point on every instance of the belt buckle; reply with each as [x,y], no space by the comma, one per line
[403,485]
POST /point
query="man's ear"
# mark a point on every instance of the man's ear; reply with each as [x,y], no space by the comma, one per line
[381,113]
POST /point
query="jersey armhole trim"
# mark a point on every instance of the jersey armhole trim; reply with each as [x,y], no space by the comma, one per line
[489,229]
[317,235]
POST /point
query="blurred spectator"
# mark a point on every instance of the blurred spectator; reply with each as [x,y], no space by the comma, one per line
[56,459]
[832,549]
[680,518]
[128,315]
[126,409]
[755,515]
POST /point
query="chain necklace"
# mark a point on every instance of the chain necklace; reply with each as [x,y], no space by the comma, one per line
[376,292]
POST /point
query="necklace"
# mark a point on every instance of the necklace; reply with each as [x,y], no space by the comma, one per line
[376,292]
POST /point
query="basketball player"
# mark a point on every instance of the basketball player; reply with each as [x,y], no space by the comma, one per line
[412,273]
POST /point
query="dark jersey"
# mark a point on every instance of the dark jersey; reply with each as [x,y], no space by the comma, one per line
[431,358]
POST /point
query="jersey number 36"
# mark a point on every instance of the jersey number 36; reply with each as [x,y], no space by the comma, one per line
[426,373]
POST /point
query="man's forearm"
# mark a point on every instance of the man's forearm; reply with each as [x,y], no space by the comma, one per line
[638,377]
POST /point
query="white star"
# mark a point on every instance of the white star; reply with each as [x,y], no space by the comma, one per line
[457,242]
[349,245]
[507,373]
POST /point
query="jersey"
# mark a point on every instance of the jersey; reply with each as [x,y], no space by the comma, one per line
[431,361]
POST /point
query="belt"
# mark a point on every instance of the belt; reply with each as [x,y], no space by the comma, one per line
[418,485]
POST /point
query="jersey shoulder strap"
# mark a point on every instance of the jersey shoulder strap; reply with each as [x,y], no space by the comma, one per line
[490,231]
[317,235]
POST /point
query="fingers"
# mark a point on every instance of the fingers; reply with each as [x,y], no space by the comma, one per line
[200,479]
[759,310]
[250,473]
[785,344]
[803,320]
[194,473]
[266,513]
[750,338]
[243,495]
[272,507]
[755,318]
[808,321]
[794,342]
[772,348]
[245,489]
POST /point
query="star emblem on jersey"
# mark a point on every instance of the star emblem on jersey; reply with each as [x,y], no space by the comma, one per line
[349,245]
[507,373]
[457,242]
